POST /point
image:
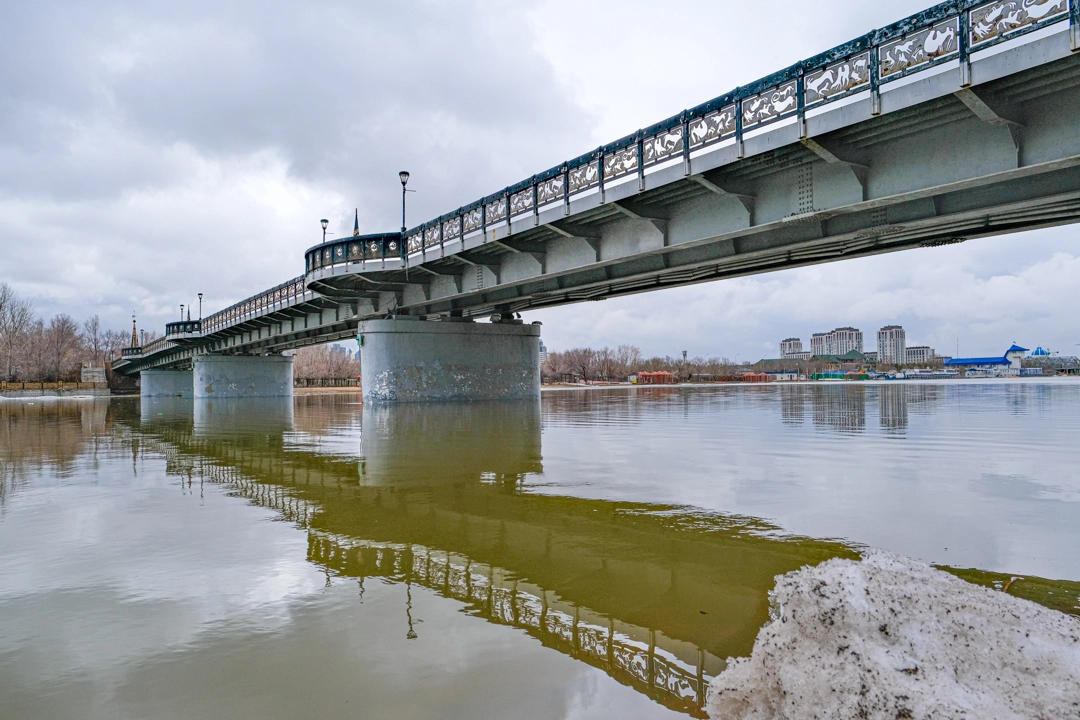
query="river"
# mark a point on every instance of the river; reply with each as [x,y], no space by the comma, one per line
[598,554]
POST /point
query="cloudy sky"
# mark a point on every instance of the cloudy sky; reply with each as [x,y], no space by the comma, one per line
[155,150]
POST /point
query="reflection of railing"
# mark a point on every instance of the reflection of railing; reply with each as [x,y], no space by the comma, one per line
[632,655]
[950,31]
[281,295]
[180,328]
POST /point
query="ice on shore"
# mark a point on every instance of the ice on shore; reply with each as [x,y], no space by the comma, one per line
[889,637]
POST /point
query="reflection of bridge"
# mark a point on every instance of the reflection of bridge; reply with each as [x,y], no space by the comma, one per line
[654,596]
[956,123]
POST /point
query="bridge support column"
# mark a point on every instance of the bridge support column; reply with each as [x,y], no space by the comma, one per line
[166,383]
[409,360]
[243,376]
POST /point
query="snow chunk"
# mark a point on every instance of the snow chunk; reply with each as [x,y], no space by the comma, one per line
[890,637]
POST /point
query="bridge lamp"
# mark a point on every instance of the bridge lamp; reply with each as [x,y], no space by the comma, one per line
[181,312]
[324,222]
[403,176]
[200,306]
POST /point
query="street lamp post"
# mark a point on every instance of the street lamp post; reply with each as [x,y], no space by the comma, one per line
[403,176]
[200,307]
[324,222]
[181,312]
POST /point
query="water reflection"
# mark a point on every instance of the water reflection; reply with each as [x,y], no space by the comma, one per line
[653,595]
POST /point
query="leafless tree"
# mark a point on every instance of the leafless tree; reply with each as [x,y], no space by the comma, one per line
[16,317]
[325,361]
[95,340]
[63,344]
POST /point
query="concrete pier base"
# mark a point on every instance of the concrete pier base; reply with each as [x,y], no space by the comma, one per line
[166,383]
[243,376]
[410,360]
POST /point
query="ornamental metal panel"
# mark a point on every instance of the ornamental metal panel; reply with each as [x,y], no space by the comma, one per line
[339,253]
[915,50]
[848,75]
[521,201]
[770,105]
[392,248]
[550,190]
[663,145]
[994,20]
[415,243]
[496,211]
[584,176]
[356,251]
[431,237]
[713,127]
[374,250]
[474,219]
[620,162]
[451,229]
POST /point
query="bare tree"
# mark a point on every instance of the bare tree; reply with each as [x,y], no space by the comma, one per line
[95,340]
[325,361]
[63,344]
[113,341]
[16,318]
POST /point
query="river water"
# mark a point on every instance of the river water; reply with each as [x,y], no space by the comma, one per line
[594,555]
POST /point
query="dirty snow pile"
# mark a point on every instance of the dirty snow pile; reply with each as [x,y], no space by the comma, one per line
[889,637]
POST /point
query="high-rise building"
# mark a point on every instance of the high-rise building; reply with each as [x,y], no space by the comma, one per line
[918,355]
[790,347]
[844,340]
[840,341]
[892,345]
[543,353]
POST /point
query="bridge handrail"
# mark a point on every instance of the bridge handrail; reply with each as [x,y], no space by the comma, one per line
[181,328]
[285,292]
[946,32]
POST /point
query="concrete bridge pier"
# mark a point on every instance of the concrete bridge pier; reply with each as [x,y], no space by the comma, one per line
[166,383]
[243,376]
[412,360]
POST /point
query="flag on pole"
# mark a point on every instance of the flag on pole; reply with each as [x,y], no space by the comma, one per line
[356,224]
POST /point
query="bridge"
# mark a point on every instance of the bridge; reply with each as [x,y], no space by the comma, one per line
[953,124]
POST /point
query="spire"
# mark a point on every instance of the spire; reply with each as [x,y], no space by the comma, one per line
[356,223]
[134,335]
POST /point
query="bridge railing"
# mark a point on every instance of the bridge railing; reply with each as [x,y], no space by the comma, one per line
[949,32]
[287,293]
[182,328]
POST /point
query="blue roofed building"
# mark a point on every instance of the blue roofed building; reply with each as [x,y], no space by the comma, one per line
[1007,365]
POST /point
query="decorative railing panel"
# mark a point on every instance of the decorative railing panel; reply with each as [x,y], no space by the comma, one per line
[474,219]
[521,201]
[550,190]
[712,127]
[663,146]
[926,47]
[452,229]
[431,237]
[584,177]
[998,20]
[620,162]
[495,211]
[770,105]
[849,75]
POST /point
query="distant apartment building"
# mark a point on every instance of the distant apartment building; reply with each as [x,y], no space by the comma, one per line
[838,342]
[543,353]
[892,345]
[791,346]
[919,355]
